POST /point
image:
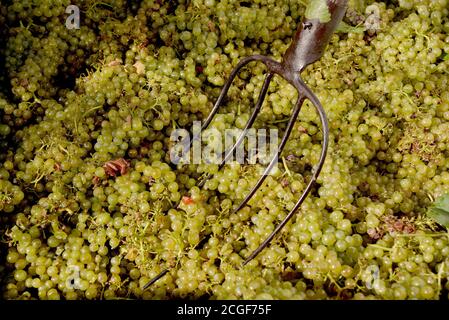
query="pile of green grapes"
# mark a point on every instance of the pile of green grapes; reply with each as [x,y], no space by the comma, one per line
[91,207]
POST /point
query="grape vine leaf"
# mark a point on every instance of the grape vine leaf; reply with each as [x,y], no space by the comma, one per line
[439,211]
[318,9]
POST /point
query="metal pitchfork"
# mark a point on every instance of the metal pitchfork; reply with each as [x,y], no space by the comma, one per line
[308,45]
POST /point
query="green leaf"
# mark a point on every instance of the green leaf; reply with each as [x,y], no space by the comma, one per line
[442,202]
[318,9]
[439,211]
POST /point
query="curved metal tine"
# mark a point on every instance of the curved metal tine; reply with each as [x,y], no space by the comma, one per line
[251,120]
[227,85]
[274,160]
[324,123]
[156,278]
[224,92]
[273,67]
[214,110]
[248,124]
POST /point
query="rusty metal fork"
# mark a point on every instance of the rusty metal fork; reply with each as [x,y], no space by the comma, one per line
[308,45]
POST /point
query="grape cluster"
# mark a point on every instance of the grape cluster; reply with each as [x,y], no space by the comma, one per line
[91,206]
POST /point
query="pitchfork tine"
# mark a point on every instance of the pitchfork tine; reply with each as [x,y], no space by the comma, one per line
[251,120]
[248,124]
[274,160]
[302,89]
[225,89]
